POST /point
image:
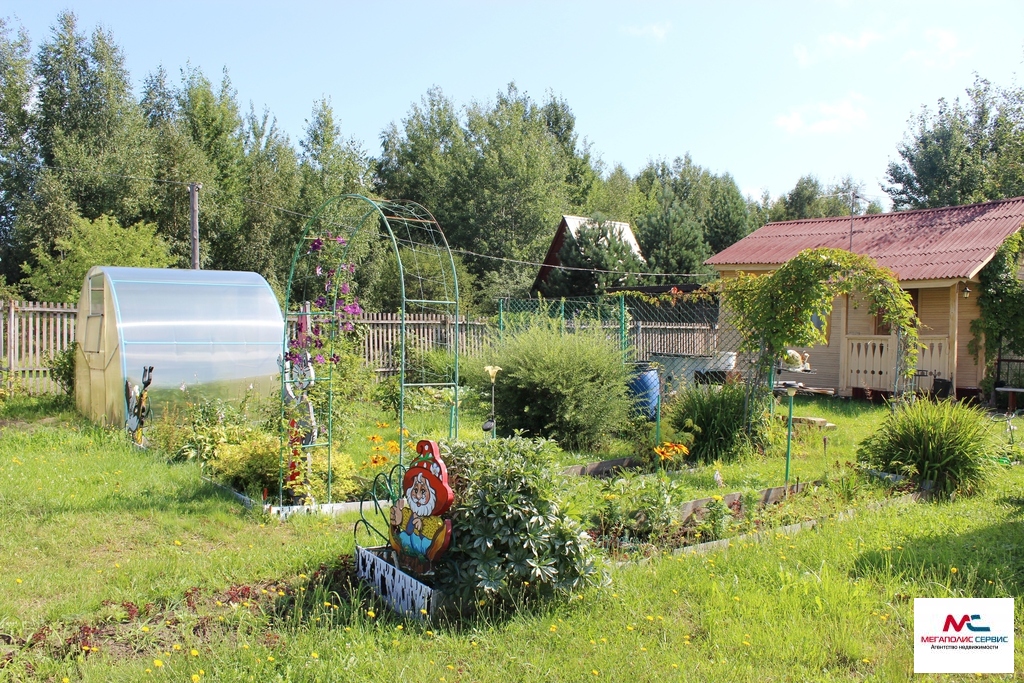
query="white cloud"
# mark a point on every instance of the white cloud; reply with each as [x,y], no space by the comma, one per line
[825,117]
[656,32]
[942,49]
[832,45]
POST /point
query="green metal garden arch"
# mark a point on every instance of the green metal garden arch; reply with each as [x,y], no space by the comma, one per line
[321,312]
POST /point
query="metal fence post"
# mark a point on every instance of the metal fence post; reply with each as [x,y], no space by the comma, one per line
[501,319]
[622,324]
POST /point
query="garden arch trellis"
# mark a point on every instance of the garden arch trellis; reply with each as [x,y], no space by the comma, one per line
[321,306]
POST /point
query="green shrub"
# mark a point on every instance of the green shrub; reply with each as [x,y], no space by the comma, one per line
[638,507]
[254,465]
[62,368]
[512,541]
[570,387]
[713,419]
[945,442]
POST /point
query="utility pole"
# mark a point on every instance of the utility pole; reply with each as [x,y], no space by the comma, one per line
[193,210]
[853,197]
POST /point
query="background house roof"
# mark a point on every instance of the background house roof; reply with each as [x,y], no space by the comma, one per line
[623,230]
[927,244]
[572,225]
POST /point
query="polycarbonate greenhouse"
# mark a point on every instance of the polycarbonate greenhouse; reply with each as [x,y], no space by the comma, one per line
[213,332]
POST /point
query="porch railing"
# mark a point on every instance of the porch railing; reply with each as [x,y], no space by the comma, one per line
[871,361]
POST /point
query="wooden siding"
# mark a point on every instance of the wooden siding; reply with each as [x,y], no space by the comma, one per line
[933,310]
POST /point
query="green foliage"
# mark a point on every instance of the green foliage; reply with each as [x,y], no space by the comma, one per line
[715,519]
[597,245]
[944,442]
[1001,299]
[254,464]
[62,368]
[778,310]
[512,541]
[637,508]
[962,154]
[567,386]
[100,242]
[713,420]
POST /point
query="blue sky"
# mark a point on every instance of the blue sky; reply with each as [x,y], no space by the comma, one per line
[764,91]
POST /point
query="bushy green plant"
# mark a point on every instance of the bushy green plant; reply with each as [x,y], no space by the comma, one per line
[944,442]
[637,507]
[570,387]
[713,419]
[62,368]
[512,540]
[714,521]
[254,465]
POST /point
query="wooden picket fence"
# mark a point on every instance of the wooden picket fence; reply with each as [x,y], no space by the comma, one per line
[383,335]
[30,332]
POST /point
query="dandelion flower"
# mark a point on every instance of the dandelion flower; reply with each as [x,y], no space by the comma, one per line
[194,653]
[270,658]
[952,570]
[177,542]
[157,663]
[314,655]
[145,629]
[177,646]
[17,581]
[553,628]
[195,678]
[370,613]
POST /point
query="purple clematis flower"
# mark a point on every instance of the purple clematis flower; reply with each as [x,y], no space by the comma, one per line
[353,309]
[348,327]
[344,288]
[316,245]
[319,359]
[321,302]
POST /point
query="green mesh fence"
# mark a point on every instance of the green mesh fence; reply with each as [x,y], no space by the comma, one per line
[688,336]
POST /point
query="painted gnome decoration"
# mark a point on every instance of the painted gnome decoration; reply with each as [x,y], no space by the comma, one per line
[418,534]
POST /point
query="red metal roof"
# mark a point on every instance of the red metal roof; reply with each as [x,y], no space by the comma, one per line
[927,244]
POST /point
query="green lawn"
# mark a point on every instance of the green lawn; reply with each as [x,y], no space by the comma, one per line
[111,548]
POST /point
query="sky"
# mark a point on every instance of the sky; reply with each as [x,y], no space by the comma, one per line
[766,91]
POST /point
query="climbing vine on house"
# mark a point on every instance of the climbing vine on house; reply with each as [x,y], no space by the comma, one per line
[780,309]
[1000,300]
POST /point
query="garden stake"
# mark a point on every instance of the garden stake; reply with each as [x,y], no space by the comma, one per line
[791,392]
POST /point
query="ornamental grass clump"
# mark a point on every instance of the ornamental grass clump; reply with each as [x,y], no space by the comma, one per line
[713,420]
[512,541]
[569,386]
[946,442]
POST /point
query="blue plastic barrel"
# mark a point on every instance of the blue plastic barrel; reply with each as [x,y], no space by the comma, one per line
[643,389]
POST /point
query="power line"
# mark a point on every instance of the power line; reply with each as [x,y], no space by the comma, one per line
[106,175]
[589,270]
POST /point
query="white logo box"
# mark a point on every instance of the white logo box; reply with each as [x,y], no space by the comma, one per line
[963,635]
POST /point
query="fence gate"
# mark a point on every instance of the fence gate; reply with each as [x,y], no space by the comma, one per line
[31,332]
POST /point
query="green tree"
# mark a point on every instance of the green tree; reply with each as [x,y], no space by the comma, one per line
[17,151]
[597,246]
[101,242]
[672,237]
[91,132]
[962,154]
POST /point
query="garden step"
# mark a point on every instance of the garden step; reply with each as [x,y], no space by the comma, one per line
[819,422]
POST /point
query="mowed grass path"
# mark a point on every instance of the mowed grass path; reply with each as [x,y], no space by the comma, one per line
[90,524]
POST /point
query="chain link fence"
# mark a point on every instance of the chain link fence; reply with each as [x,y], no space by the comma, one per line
[687,335]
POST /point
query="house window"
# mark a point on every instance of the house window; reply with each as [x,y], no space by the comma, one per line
[883,328]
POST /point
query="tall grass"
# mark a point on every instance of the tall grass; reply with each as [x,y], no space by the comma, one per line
[714,419]
[944,442]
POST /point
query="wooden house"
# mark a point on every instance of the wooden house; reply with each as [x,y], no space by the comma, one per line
[936,254]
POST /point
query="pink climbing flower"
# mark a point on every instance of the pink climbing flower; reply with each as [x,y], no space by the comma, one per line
[344,288]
